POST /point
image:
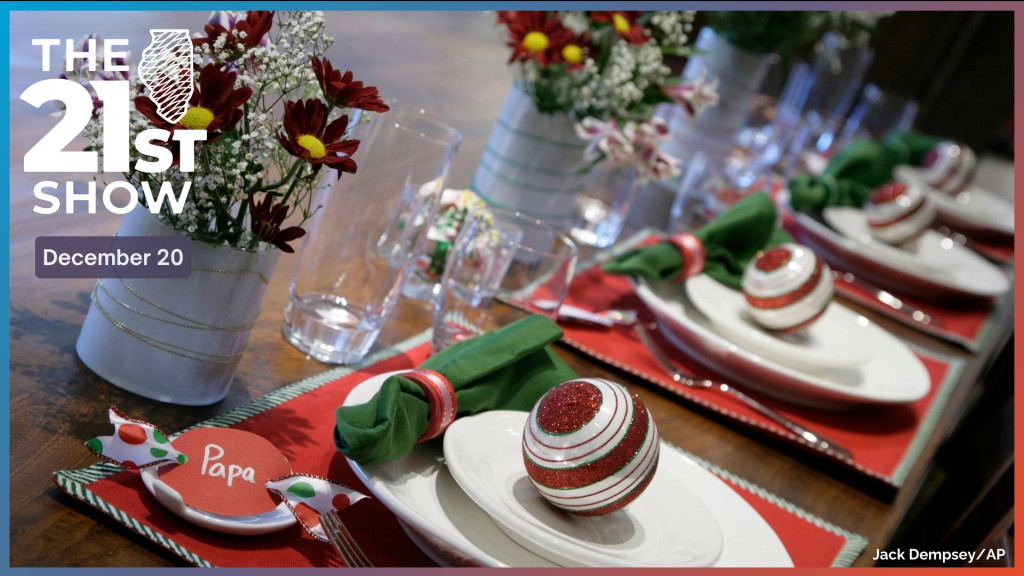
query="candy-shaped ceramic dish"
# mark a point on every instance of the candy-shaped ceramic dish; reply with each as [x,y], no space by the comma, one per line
[589,448]
[898,213]
[787,287]
[950,167]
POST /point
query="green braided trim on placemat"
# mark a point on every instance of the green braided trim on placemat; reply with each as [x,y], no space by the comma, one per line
[855,543]
[74,482]
[931,417]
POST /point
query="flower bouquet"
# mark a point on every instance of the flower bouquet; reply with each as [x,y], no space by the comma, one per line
[275,112]
[595,75]
[250,112]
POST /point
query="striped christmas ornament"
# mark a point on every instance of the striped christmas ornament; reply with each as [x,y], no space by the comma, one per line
[589,447]
[950,167]
[898,213]
[787,288]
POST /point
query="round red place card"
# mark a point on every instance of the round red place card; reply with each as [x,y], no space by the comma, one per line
[226,471]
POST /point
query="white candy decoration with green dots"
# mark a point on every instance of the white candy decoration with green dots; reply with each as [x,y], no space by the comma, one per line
[135,444]
[308,496]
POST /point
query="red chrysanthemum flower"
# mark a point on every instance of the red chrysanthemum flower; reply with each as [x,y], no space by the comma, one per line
[215,106]
[309,136]
[539,36]
[266,219]
[341,90]
[244,35]
[575,52]
[624,24]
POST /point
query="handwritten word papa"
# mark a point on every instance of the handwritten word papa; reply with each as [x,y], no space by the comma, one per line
[212,453]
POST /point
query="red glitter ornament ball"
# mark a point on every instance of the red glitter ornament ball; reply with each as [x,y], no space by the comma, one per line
[899,213]
[589,447]
[950,167]
[787,287]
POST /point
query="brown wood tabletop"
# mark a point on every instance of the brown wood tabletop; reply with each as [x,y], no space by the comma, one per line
[451,63]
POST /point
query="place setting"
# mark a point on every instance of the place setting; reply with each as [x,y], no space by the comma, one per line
[811,359]
[874,219]
[470,500]
[948,174]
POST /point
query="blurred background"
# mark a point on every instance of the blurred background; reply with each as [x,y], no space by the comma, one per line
[957,66]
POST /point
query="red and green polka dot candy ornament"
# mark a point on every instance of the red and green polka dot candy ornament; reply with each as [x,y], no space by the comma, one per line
[135,444]
[233,474]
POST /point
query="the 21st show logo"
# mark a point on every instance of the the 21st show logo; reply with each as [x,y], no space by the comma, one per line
[104,104]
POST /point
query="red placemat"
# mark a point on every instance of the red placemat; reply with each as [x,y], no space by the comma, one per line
[969,326]
[299,419]
[885,439]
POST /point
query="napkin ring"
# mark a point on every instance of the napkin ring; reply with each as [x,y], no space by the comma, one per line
[441,401]
[693,254]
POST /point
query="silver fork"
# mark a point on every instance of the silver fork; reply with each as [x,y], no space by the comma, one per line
[679,376]
[343,542]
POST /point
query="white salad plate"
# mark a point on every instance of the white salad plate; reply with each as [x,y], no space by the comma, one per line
[836,340]
[975,207]
[893,374]
[932,257]
[450,528]
[249,525]
[667,525]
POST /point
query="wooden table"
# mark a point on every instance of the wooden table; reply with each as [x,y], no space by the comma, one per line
[450,63]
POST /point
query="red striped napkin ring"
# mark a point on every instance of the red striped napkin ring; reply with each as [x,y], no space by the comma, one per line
[693,254]
[441,401]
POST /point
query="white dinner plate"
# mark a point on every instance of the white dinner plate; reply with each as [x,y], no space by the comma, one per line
[893,375]
[848,254]
[667,525]
[838,339]
[933,256]
[249,525]
[975,207]
[451,528]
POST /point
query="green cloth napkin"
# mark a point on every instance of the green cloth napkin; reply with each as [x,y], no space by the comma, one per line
[509,369]
[859,168]
[730,241]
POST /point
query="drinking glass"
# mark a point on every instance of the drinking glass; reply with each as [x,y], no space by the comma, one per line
[710,187]
[501,255]
[604,204]
[363,237]
[879,112]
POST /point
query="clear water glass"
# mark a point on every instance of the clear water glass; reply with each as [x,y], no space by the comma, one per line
[507,256]
[361,241]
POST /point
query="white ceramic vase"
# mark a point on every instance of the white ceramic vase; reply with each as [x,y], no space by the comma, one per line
[176,340]
[533,162]
[740,74]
